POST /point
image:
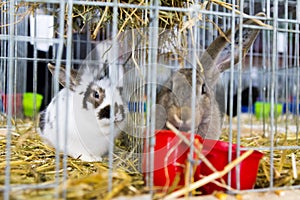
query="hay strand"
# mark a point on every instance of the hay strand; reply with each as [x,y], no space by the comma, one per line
[209,178]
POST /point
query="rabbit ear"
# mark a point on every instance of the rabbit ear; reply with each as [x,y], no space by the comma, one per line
[217,57]
[74,81]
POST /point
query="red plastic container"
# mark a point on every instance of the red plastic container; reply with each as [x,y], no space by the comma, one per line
[217,153]
[16,103]
[170,157]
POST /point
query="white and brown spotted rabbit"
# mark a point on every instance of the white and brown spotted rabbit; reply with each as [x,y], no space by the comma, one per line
[77,120]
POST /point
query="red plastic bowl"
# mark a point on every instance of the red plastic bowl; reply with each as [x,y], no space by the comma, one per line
[217,153]
[170,157]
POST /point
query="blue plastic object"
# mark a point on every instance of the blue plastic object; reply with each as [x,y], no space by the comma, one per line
[1,106]
[246,109]
[137,106]
[291,107]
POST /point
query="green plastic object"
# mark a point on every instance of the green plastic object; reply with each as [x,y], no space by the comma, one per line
[263,110]
[28,103]
[279,109]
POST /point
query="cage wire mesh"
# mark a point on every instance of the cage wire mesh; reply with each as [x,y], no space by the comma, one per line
[138,47]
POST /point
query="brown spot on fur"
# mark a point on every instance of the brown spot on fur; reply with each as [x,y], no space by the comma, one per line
[119,110]
[95,96]
[42,120]
[104,113]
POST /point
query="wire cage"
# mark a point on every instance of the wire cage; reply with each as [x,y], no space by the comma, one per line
[90,105]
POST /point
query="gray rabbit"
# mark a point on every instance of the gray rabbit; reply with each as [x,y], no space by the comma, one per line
[174,99]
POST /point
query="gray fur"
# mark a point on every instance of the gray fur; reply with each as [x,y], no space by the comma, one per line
[174,99]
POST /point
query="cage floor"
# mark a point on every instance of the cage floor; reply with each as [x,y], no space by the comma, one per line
[34,174]
[277,195]
[34,163]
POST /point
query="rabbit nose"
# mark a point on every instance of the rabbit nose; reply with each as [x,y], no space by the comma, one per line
[185,114]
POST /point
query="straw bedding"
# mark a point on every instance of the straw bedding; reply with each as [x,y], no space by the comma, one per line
[32,162]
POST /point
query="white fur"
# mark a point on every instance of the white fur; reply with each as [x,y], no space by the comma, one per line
[88,138]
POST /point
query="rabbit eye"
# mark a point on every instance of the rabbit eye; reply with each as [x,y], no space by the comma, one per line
[96,95]
[204,89]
